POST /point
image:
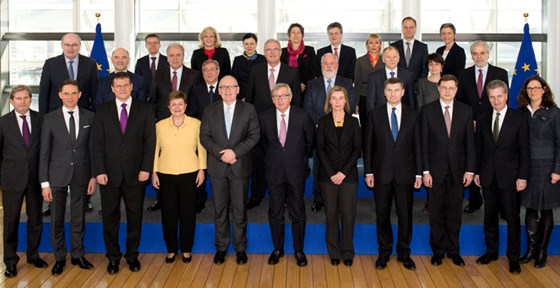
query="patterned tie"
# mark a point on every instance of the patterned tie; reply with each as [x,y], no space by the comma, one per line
[271,81]
[25,131]
[392,74]
[124,118]
[407,54]
[447,117]
[329,86]
[228,120]
[153,67]
[479,83]
[336,53]
[72,126]
[211,93]
[394,124]
[282,136]
[71,70]
[174,81]
[496,129]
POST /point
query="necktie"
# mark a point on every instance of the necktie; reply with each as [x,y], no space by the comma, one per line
[282,136]
[72,126]
[329,86]
[25,131]
[174,81]
[447,117]
[271,80]
[496,129]
[479,83]
[228,120]
[71,70]
[407,54]
[124,118]
[392,74]
[153,67]
[211,93]
[394,124]
[336,53]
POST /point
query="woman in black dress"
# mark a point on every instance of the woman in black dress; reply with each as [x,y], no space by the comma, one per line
[299,56]
[243,64]
[211,48]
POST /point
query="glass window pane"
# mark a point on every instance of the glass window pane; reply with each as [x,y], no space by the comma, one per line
[40,16]
[87,15]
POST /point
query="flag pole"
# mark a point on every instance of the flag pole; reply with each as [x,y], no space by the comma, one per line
[526,15]
[97,15]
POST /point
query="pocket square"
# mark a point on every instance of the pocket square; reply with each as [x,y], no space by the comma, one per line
[87,126]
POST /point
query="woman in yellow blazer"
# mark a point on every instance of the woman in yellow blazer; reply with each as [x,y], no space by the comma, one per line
[179,166]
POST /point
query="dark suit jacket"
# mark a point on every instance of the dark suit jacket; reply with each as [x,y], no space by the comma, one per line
[292,158]
[362,71]
[199,99]
[507,159]
[346,62]
[338,154]
[120,156]
[468,94]
[440,151]
[55,72]
[143,67]
[104,94]
[221,55]
[376,94]
[455,60]
[61,161]
[19,165]
[161,87]
[258,93]
[316,96]
[417,59]
[244,135]
[388,160]
[241,70]
[306,63]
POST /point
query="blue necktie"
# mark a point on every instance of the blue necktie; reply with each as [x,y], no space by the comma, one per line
[329,86]
[394,124]
[228,120]
[71,70]
[392,74]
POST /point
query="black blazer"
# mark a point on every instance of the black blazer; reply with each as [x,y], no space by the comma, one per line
[140,89]
[417,59]
[258,93]
[19,165]
[120,156]
[455,60]
[440,151]
[143,67]
[61,161]
[241,70]
[55,72]
[362,71]
[387,160]
[316,96]
[244,135]
[199,99]
[290,160]
[306,63]
[346,62]
[161,87]
[507,159]
[221,55]
[338,154]
[376,94]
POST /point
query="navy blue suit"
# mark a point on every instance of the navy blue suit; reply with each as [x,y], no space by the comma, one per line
[346,62]
[143,67]
[417,63]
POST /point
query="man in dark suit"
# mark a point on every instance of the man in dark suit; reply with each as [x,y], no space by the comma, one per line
[376,81]
[149,64]
[65,169]
[120,60]
[392,165]
[448,161]
[413,53]
[124,140]
[287,137]
[262,79]
[502,169]
[314,104]
[20,132]
[229,131]
[346,55]
[471,91]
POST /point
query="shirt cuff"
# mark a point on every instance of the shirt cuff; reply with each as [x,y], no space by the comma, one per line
[45,184]
[469,173]
[370,174]
[425,172]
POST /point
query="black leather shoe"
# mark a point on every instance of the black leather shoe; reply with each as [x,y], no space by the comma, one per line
[457,259]
[275,257]
[486,258]
[200,207]
[220,257]
[301,260]
[408,263]
[335,262]
[469,209]
[46,212]
[514,267]
[11,271]
[436,259]
[156,206]
[381,262]
[113,267]
[253,203]
[133,265]
[186,259]
[89,206]
[316,206]
[426,208]
[170,259]
[82,262]
[38,262]
[241,258]
[58,268]
[348,262]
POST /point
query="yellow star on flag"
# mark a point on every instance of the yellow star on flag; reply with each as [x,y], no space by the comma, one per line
[525,67]
[98,67]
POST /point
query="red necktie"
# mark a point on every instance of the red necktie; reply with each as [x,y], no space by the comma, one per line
[479,83]
[174,81]
[336,53]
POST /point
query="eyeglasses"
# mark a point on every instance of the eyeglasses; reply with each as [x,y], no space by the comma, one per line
[270,50]
[531,89]
[119,87]
[209,69]
[227,87]
[68,45]
[282,96]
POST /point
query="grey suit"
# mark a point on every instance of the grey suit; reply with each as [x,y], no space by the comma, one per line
[230,182]
[66,164]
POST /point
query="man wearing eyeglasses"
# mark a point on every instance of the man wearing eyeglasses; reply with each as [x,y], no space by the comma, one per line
[149,64]
[229,131]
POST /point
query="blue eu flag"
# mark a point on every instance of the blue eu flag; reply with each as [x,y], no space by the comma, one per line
[525,67]
[99,54]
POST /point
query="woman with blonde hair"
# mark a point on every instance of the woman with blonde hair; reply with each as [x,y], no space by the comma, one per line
[211,48]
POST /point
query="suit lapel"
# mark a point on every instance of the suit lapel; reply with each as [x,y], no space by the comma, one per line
[35,129]
[62,123]
[15,126]
[184,80]
[62,62]
[385,122]
[234,121]
[82,124]
[505,125]
[441,119]
[113,115]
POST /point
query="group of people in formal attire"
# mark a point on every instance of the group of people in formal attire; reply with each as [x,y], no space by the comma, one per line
[423,120]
